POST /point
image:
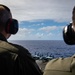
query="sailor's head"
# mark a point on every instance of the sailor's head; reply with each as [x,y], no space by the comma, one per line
[8,25]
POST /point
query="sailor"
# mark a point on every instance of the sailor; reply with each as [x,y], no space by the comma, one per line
[64,66]
[14,59]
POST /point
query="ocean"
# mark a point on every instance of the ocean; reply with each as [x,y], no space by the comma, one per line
[56,48]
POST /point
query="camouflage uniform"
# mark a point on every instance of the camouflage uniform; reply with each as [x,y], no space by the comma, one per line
[61,66]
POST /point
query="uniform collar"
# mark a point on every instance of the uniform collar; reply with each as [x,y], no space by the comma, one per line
[2,37]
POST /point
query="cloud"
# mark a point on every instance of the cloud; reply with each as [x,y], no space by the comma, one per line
[38,10]
[44,33]
[22,34]
[25,31]
[39,35]
[41,9]
[48,28]
[51,28]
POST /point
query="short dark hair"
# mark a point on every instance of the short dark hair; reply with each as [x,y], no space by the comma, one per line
[4,16]
[5,7]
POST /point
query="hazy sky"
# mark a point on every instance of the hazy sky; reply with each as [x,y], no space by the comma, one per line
[40,19]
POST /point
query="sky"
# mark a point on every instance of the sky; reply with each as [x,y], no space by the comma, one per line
[40,19]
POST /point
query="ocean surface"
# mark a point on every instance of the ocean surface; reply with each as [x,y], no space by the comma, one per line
[56,48]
